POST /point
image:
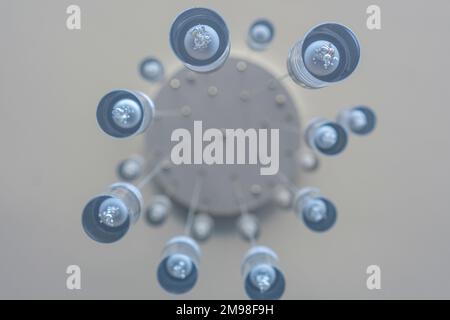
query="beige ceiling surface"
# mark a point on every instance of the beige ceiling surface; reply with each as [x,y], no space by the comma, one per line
[391,188]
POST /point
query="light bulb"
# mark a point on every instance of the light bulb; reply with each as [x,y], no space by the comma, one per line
[248,226]
[202,226]
[157,213]
[315,211]
[308,161]
[152,69]
[178,270]
[158,209]
[263,276]
[179,266]
[282,196]
[200,39]
[327,137]
[131,168]
[329,53]
[263,280]
[201,42]
[126,113]
[112,212]
[107,218]
[322,58]
[359,120]
[260,34]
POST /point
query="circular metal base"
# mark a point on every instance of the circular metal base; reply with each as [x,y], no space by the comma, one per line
[239,95]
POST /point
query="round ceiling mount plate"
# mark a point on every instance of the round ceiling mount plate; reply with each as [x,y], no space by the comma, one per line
[242,95]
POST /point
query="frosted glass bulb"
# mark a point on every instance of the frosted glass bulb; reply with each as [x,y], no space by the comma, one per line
[263,277]
[322,58]
[157,213]
[261,33]
[315,211]
[308,161]
[112,212]
[248,226]
[126,113]
[130,169]
[179,266]
[358,120]
[201,42]
[326,137]
[152,69]
[202,226]
[318,213]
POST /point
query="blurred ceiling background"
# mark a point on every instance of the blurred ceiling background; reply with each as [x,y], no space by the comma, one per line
[390,188]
